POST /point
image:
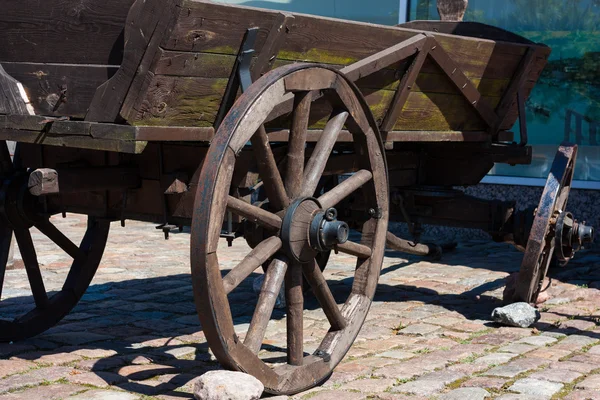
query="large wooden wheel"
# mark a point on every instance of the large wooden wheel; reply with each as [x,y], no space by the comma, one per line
[541,244]
[20,211]
[302,224]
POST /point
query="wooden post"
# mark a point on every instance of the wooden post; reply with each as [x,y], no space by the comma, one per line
[452,10]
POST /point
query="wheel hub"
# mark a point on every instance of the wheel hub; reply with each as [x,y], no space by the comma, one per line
[571,236]
[307,230]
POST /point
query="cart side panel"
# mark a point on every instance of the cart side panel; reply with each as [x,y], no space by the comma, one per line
[190,74]
[61,51]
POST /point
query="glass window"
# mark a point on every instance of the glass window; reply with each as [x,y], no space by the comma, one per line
[383,12]
[565,104]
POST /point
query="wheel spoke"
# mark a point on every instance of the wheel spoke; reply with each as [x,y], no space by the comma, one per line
[52,232]
[253,213]
[260,254]
[317,281]
[267,168]
[297,144]
[266,303]
[354,249]
[318,160]
[344,189]
[5,240]
[32,267]
[294,300]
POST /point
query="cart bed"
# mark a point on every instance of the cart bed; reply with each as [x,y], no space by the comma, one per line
[179,56]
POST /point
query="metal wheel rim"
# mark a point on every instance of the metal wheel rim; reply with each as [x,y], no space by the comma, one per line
[541,244]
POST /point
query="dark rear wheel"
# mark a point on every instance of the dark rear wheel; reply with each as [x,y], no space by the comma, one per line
[20,213]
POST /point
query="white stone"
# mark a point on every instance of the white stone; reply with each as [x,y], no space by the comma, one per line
[227,385]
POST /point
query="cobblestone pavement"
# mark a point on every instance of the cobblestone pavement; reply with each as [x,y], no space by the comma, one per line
[135,334]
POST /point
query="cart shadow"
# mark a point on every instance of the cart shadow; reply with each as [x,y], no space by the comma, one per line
[153,343]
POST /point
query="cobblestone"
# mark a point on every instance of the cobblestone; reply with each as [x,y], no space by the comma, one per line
[428,333]
[535,387]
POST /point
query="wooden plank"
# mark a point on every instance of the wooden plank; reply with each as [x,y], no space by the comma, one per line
[175,101]
[145,71]
[82,142]
[174,134]
[541,59]
[463,84]
[439,112]
[311,38]
[46,83]
[194,64]
[509,96]
[63,31]
[403,136]
[141,43]
[431,79]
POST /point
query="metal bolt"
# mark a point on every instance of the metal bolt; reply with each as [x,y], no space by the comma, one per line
[331,214]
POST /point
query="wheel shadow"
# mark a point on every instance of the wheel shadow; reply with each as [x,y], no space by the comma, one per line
[150,341]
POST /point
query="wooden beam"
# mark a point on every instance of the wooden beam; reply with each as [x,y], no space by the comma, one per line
[403,136]
[385,58]
[406,85]
[270,50]
[44,181]
[145,25]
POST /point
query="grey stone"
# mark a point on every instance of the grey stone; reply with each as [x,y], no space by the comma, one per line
[227,385]
[472,393]
[535,387]
[538,340]
[517,314]
[429,383]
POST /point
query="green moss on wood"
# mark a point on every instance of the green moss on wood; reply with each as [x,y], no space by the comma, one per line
[317,56]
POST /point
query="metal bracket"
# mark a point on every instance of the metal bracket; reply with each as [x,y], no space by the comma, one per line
[240,75]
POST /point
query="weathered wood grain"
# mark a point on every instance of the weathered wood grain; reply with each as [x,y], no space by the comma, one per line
[143,33]
[63,31]
[310,38]
[181,101]
[82,142]
[60,89]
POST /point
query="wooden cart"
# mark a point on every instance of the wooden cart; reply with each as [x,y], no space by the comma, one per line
[147,123]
